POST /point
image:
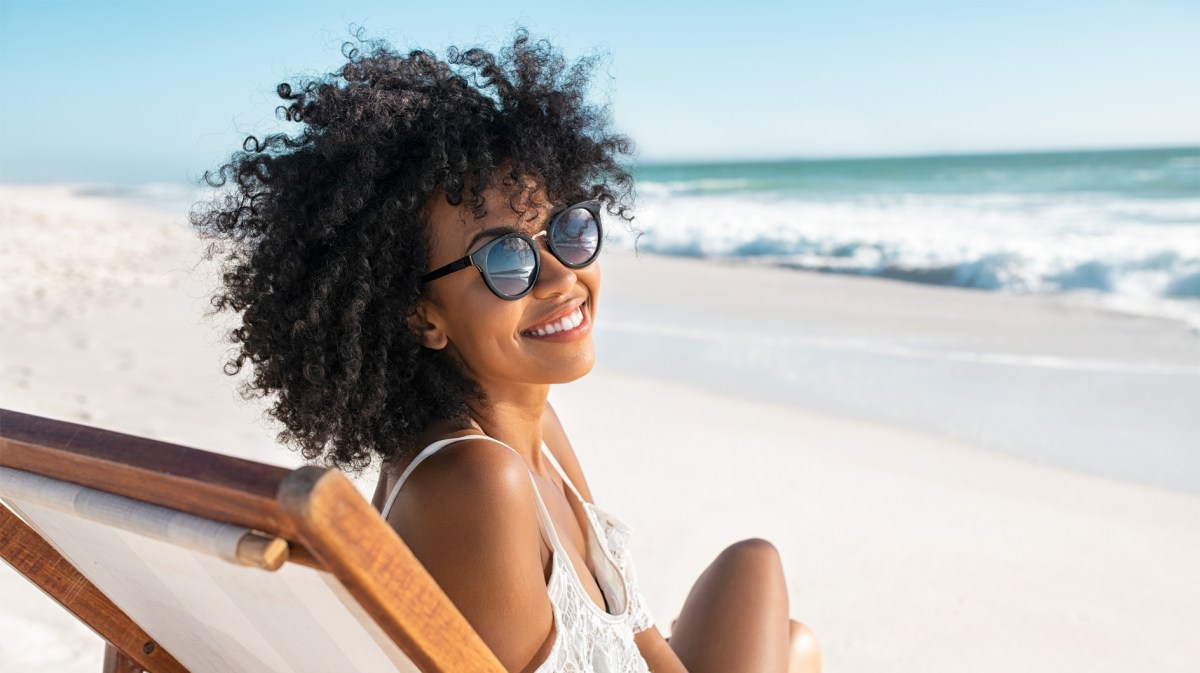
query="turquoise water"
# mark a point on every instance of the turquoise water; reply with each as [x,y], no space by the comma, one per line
[1123,225]
[1172,173]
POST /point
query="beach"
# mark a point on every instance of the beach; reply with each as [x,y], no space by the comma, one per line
[956,480]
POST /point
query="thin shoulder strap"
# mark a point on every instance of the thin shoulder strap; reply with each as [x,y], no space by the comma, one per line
[563,473]
[543,513]
[429,451]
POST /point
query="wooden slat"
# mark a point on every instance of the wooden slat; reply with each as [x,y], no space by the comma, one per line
[210,485]
[328,524]
[299,554]
[354,543]
[26,551]
[115,661]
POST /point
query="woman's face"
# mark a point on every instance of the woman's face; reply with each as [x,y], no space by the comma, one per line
[495,339]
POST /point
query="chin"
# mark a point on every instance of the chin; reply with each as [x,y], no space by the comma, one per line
[576,371]
[582,373]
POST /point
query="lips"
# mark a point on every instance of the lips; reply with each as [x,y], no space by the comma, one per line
[565,318]
[569,322]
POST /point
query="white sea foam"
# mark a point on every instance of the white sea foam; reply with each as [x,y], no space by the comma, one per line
[1144,253]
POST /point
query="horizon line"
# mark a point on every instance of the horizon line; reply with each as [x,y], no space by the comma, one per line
[655,163]
[1191,145]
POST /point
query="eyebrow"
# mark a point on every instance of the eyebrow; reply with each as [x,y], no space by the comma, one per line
[494,231]
[506,229]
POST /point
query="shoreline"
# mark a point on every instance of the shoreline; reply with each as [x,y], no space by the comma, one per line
[1048,379]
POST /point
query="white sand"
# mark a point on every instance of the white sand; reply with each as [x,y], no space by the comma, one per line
[904,551]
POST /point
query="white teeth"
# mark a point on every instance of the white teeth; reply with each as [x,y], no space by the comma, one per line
[568,322]
[571,321]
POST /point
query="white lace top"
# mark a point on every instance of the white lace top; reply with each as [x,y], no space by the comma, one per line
[588,638]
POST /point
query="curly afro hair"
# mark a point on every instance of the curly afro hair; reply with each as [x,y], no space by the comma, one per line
[323,239]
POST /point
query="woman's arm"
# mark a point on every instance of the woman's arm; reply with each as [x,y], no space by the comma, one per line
[657,652]
[467,514]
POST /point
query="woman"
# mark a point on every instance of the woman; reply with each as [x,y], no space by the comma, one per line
[414,269]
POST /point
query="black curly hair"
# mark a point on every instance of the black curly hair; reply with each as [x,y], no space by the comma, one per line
[323,234]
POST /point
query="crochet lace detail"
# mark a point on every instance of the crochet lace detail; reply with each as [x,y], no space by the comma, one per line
[587,638]
[617,534]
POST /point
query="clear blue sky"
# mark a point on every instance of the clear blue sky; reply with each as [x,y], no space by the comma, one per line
[135,91]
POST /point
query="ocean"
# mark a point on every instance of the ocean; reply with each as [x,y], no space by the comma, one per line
[1120,225]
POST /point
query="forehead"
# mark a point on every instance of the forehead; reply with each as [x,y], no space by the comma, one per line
[454,226]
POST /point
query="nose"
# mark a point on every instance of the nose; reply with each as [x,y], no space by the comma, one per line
[553,277]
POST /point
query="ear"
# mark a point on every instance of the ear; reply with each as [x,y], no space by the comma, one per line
[423,323]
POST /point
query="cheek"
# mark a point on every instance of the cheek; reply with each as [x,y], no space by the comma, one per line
[489,323]
[591,278]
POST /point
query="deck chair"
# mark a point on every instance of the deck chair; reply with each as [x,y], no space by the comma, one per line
[186,560]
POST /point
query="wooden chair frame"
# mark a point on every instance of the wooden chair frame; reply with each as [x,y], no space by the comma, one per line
[319,512]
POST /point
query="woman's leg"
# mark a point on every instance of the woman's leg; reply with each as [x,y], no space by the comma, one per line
[736,616]
[805,654]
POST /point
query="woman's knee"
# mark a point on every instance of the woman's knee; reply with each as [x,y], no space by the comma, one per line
[805,652]
[753,550]
[752,566]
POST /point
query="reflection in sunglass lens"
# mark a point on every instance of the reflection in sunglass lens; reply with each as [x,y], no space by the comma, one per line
[510,265]
[576,236]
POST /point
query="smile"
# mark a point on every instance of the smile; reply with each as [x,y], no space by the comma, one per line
[565,324]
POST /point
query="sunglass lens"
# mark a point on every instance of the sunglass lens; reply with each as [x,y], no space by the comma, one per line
[510,265]
[576,236]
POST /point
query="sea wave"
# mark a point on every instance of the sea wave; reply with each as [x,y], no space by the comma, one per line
[1137,249]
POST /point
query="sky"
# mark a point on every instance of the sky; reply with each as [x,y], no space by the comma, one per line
[161,90]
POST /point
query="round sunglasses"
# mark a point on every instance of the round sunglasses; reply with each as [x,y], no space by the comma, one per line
[510,264]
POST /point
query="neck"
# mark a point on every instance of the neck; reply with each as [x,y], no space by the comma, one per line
[513,415]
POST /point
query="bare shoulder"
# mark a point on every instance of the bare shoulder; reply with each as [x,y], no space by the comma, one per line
[468,514]
[459,479]
[468,484]
[556,439]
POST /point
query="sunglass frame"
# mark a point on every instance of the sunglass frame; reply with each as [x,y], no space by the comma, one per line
[478,259]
